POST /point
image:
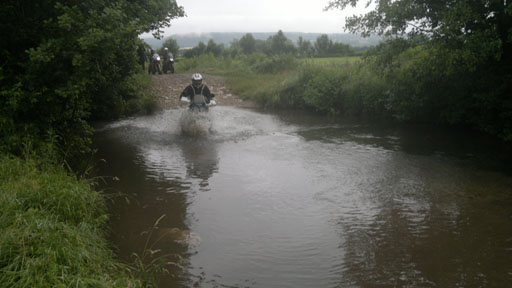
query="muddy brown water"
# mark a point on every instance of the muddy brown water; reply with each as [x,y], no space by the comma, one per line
[295,200]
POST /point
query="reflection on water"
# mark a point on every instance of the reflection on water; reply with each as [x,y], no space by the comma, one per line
[201,160]
[302,201]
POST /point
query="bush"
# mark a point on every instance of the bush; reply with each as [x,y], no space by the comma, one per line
[205,63]
[402,79]
[274,64]
[75,65]
[51,230]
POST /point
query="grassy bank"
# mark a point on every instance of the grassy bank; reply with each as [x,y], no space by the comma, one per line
[52,230]
[396,81]
[336,85]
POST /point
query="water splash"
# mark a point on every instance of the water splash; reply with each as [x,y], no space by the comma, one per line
[218,124]
[195,124]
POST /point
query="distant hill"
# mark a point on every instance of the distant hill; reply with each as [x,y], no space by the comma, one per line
[191,40]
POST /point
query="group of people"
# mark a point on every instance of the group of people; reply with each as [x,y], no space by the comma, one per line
[198,93]
[157,64]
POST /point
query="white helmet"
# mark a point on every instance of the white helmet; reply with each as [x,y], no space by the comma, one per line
[197,77]
[166,48]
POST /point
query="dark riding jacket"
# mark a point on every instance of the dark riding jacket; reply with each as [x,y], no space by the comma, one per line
[191,90]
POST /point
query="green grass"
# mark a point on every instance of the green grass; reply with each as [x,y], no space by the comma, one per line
[329,61]
[52,230]
[298,83]
[145,102]
[334,85]
[207,64]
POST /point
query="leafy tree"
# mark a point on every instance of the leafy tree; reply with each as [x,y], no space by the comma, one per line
[247,44]
[196,51]
[480,29]
[64,63]
[467,53]
[172,45]
[201,48]
[340,49]
[234,48]
[214,48]
[261,46]
[189,53]
[326,47]
[151,15]
[305,48]
[280,44]
[323,45]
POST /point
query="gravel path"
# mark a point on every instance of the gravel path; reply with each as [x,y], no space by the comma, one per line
[168,87]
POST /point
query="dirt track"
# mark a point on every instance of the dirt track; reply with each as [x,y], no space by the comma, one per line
[168,87]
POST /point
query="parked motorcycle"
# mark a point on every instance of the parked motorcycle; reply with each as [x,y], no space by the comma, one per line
[172,64]
[168,65]
[154,65]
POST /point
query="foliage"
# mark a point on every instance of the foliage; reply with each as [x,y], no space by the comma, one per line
[64,63]
[50,230]
[326,47]
[206,63]
[280,44]
[150,262]
[322,44]
[277,44]
[196,51]
[214,48]
[458,73]
[323,89]
[274,64]
[246,64]
[305,48]
[342,86]
[445,62]
[153,15]
[444,19]
[247,44]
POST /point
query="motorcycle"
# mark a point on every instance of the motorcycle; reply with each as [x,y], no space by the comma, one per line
[172,64]
[169,65]
[196,121]
[198,104]
[155,64]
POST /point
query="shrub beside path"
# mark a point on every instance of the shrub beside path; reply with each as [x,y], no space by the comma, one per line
[168,87]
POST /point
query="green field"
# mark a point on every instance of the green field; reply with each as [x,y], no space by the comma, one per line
[277,81]
[332,60]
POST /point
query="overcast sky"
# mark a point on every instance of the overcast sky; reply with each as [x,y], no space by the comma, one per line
[259,16]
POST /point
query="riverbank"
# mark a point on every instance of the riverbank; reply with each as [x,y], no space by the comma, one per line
[52,230]
[381,86]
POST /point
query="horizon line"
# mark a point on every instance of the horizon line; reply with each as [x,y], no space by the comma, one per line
[243,32]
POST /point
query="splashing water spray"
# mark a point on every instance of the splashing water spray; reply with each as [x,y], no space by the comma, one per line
[196,122]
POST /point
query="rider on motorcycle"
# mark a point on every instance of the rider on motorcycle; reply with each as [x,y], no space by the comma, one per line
[168,61]
[154,63]
[198,93]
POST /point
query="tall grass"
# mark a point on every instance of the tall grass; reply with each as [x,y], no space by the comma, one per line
[335,85]
[52,230]
[331,61]
[207,63]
